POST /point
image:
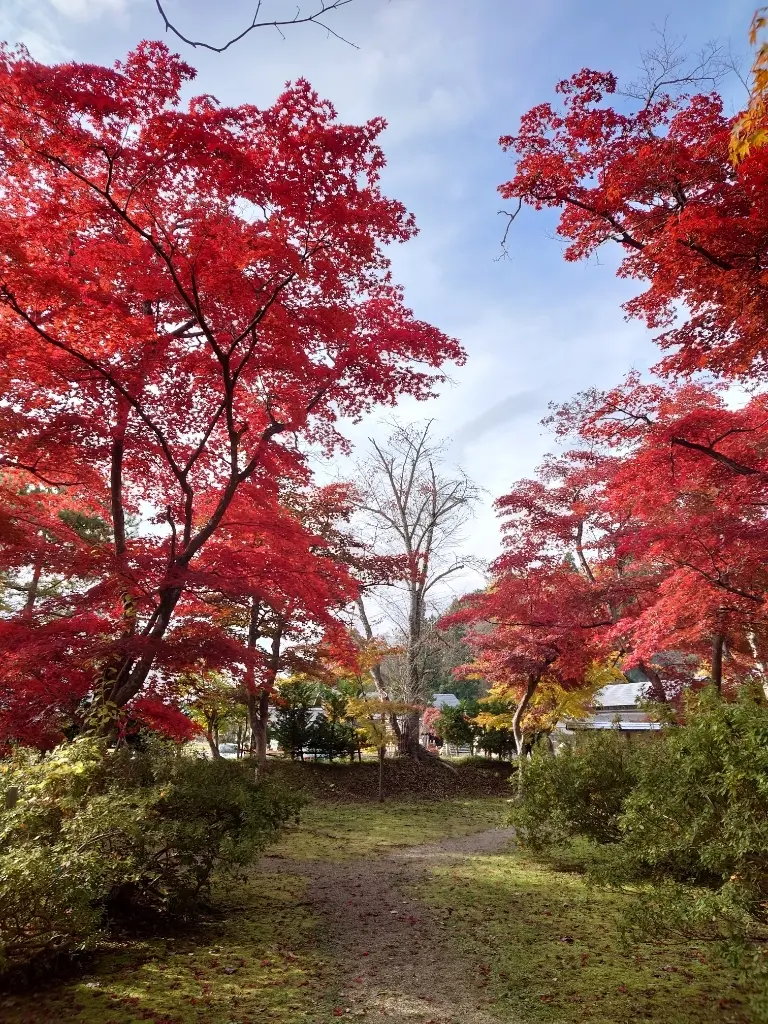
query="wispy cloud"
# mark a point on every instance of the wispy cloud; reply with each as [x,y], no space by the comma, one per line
[504,412]
[85,10]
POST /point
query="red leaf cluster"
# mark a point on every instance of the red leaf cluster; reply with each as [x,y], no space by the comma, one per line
[191,296]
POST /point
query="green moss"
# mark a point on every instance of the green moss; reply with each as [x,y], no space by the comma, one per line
[549,949]
[256,961]
[544,948]
[334,831]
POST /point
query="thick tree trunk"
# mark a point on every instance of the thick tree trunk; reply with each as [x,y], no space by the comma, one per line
[408,740]
[132,674]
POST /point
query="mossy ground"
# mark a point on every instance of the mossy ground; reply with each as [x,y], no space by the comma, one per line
[549,948]
[255,960]
[333,831]
[540,945]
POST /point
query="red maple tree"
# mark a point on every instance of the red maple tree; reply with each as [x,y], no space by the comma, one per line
[658,180]
[555,593]
[692,482]
[191,296]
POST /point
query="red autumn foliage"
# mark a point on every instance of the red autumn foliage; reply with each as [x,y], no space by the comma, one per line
[191,296]
[645,543]
[692,480]
[551,604]
[658,180]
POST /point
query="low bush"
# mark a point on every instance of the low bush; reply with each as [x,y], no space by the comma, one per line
[697,817]
[682,821]
[88,834]
[579,792]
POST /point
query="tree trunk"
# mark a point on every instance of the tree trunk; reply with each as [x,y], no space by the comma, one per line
[517,719]
[718,642]
[517,727]
[258,703]
[382,752]
[131,674]
[752,639]
[213,741]
[258,718]
[656,690]
[408,740]
[34,585]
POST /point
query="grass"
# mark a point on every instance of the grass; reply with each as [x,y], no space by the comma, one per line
[550,949]
[545,948]
[257,960]
[336,831]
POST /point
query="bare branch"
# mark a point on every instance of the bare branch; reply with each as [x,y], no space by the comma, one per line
[326,7]
[511,218]
[669,67]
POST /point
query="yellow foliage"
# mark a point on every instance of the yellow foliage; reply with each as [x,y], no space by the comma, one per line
[551,702]
[371,714]
[751,130]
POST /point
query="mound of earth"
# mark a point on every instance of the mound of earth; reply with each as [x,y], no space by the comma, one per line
[404,779]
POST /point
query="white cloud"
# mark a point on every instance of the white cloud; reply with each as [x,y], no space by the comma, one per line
[41,25]
[34,26]
[85,10]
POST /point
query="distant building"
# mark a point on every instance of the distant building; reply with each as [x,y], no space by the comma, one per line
[614,707]
[445,700]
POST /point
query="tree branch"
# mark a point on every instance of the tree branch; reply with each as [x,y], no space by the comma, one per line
[712,453]
[326,7]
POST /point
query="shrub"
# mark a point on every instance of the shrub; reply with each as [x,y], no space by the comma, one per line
[88,833]
[684,820]
[579,792]
[698,815]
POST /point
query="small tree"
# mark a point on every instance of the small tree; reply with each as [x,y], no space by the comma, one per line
[292,727]
[456,727]
[214,704]
[333,733]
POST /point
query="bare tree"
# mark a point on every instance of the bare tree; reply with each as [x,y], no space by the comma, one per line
[299,17]
[415,509]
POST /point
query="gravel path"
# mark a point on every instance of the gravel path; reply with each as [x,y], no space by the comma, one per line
[399,961]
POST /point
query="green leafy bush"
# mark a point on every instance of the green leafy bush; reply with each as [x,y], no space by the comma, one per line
[89,833]
[698,814]
[579,792]
[682,820]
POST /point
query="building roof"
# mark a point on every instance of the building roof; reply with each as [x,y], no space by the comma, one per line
[445,700]
[619,695]
[621,725]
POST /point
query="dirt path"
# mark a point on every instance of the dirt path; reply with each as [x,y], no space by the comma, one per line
[399,961]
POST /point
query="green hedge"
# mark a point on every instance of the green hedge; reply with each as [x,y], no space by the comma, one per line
[88,834]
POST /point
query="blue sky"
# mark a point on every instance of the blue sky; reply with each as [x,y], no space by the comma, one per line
[450,76]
